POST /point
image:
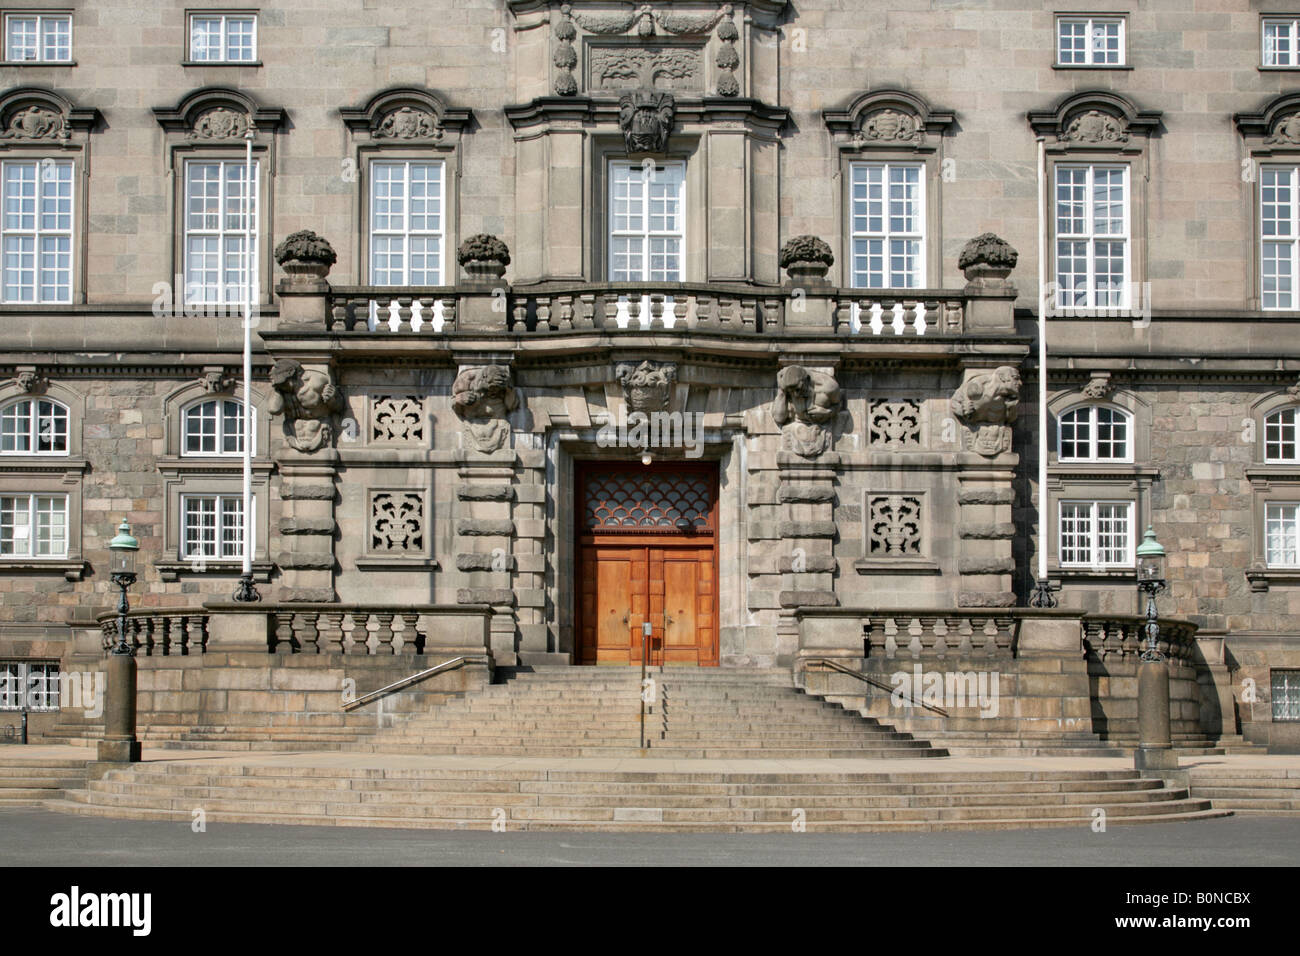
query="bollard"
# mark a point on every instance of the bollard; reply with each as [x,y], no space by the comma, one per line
[1155,748]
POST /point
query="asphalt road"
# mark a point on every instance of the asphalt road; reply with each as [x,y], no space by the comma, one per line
[31,837]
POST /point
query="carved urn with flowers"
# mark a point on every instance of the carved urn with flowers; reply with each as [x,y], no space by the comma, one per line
[484,258]
[806,259]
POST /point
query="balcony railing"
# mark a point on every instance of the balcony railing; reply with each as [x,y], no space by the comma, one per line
[155,632]
[614,307]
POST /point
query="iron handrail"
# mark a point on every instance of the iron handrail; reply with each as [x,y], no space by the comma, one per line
[364,699]
[837,666]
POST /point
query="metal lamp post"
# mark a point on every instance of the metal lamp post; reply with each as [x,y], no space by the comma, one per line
[119,743]
[1155,747]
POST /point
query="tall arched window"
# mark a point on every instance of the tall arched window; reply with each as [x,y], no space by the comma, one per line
[214,427]
[1095,433]
[1281,431]
[34,426]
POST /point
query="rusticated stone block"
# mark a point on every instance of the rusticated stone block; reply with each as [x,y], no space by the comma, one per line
[986,599]
[806,529]
[987,496]
[806,493]
[306,491]
[986,565]
[995,530]
[807,563]
[485,526]
[485,492]
[312,561]
[808,599]
[486,561]
[496,596]
[297,525]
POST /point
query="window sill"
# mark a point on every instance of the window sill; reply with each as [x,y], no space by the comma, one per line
[1091,66]
[53,464]
[221,62]
[1263,68]
[73,570]
[174,570]
[397,564]
[38,62]
[896,566]
[1101,469]
[1109,573]
[1261,579]
[1263,474]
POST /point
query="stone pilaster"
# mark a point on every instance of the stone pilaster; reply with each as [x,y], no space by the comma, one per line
[985,496]
[306,526]
[485,535]
[807,532]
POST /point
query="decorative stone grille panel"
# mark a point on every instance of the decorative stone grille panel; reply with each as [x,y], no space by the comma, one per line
[397,418]
[894,527]
[895,425]
[397,522]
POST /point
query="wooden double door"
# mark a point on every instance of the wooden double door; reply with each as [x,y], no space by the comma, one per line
[647,552]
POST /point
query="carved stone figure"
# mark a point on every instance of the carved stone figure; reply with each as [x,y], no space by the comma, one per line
[1099,386]
[308,401]
[646,118]
[30,380]
[1094,126]
[220,123]
[891,126]
[216,380]
[483,397]
[408,123]
[647,386]
[1294,390]
[986,404]
[807,402]
[1286,130]
[34,122]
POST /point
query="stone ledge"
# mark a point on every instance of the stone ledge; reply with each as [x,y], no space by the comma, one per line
[306,491]
[306,562]
[808,599]
[987,496]
[986,565]
[296,525]
[494,596]
[896,566]
[986,599]
[395,563]
[484,561]
[807,529]
[806,493]
[995,531]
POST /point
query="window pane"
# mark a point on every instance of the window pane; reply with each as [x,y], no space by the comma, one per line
[16,428]
[21,42]
[205,38]
[888,221]
[1076,533]
[1280,436]
[51,526]
[1112,434]
[200,538]
[646,222]
[1281,534]
[1285,694]
[406,216]
[1076,435]
[217,200]
[56,39]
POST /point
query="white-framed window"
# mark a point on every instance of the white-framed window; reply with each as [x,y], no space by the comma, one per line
[887,225]
[1092,236]
[216,257]
[37,230]
[1096,534]
[1279,232]
[1090,41]
[212,527]
[34,526]
[407,222]
[1095,433]
[1282,534]
[1282,436]
[29,685]
[1285,693]
[214,427]
[38,37]
[223,37]
[34,426]
[1279,41]
[647,222]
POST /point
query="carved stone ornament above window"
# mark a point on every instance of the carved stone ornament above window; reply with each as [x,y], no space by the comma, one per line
[218,115]
[1277,125]
[405,115]
[987,403]
[1095,119]
[890,119]
[29,114]
[1099,386]
[646,119]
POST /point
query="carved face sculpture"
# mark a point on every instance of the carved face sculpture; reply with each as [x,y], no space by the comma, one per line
[646,120]
[647,386]
[483,397]
[308,400]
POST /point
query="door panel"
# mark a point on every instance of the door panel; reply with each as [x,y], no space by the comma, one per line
[639,561]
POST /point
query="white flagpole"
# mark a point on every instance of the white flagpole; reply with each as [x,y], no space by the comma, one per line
[1042,595]
[246,590]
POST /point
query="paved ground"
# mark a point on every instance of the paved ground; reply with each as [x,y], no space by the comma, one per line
[633,761]
[42,838]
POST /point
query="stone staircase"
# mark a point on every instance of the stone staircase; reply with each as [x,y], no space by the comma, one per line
[697,713]
[1248,790]
[647,800]
[30,781]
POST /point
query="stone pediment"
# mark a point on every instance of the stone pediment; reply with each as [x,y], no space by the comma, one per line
[218,115]
[37,115]
[888,118]
[405,115]
[1095,119]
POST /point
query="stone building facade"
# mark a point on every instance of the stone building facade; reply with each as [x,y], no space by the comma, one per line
[717,317]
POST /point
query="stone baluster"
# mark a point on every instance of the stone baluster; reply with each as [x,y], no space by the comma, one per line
[412,639]
[384,632]
[544,314]
[360,633]
[283,632]
[332,632]
[586,315]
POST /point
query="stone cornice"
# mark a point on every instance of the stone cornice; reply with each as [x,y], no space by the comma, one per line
[186,114]
[1125,121]
[369,117]
[855,127]
[690,111]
